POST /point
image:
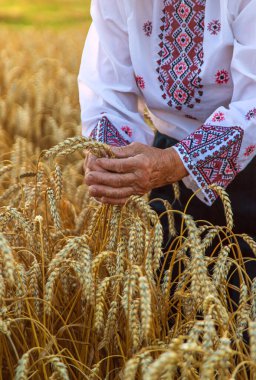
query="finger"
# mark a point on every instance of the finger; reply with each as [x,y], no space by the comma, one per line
[92,165]
[91,162]
[109,179]
[99,191]
[87,175]
[118,165]
[130,150]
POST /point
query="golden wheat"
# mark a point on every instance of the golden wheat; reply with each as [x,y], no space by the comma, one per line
[84,287]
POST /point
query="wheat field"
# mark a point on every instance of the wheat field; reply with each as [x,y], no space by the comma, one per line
[83,289]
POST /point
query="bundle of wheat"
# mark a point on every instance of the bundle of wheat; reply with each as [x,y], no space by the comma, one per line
[85,289]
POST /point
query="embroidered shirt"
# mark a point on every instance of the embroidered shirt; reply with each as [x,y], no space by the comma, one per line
[192,63]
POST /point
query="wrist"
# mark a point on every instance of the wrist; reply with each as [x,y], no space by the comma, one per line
[175,169]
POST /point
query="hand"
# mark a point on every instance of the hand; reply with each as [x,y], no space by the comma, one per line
[136,170]
[91,165]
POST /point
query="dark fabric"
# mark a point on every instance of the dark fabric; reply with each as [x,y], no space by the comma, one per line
[242,192]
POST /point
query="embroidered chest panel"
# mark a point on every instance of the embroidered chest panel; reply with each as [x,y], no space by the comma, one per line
[181,52]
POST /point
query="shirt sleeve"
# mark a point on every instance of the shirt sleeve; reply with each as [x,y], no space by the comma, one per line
[226,143]
[108,91]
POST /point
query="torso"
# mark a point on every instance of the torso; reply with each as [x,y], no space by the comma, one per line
[181,52]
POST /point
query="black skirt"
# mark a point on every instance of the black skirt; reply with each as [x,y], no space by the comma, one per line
[242,193]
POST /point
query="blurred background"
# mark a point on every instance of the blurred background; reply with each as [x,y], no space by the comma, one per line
[41,43]
[45,13]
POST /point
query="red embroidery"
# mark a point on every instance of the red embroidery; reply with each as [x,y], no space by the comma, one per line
[106,132]
[214,27]
[180,95]
[180,68]
[218,116]
[140,82]
[181,54]
[184,40]
[251,114]
[127,130]
[147,27]
[250,150]
[210,154]
[222,77]
[184,11]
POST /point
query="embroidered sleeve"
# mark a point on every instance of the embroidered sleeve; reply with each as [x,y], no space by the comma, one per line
[107,133]
[226,143]
[210,155]
[109,90]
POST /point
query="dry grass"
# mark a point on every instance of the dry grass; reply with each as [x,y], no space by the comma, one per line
[82,291]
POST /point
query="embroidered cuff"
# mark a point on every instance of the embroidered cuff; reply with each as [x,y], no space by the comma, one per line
[107,133]
[210,156]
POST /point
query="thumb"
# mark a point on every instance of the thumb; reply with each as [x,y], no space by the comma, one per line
[127,151]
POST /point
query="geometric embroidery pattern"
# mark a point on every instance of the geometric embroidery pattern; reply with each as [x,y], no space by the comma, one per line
[214,27]
[218,117]
[210,155]
[181,52]
[105,132]
[222,77]
[250,150]
[251,114]
[148,28]
[140,82]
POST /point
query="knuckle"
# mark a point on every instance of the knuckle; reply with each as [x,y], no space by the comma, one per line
[120,149]
[146,161]
[141,161]
[118,181]
[138,178]
[143,165]
[120,167]
[136,145]
[143,180]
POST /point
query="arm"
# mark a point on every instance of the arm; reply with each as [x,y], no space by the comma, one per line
[107,87]
[217,151]
[226,143]
[109,109]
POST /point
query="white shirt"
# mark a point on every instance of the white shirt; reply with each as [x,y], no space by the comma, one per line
[192,63]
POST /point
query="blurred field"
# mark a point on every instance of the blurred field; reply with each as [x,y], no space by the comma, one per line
[40,61]
[44,13]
